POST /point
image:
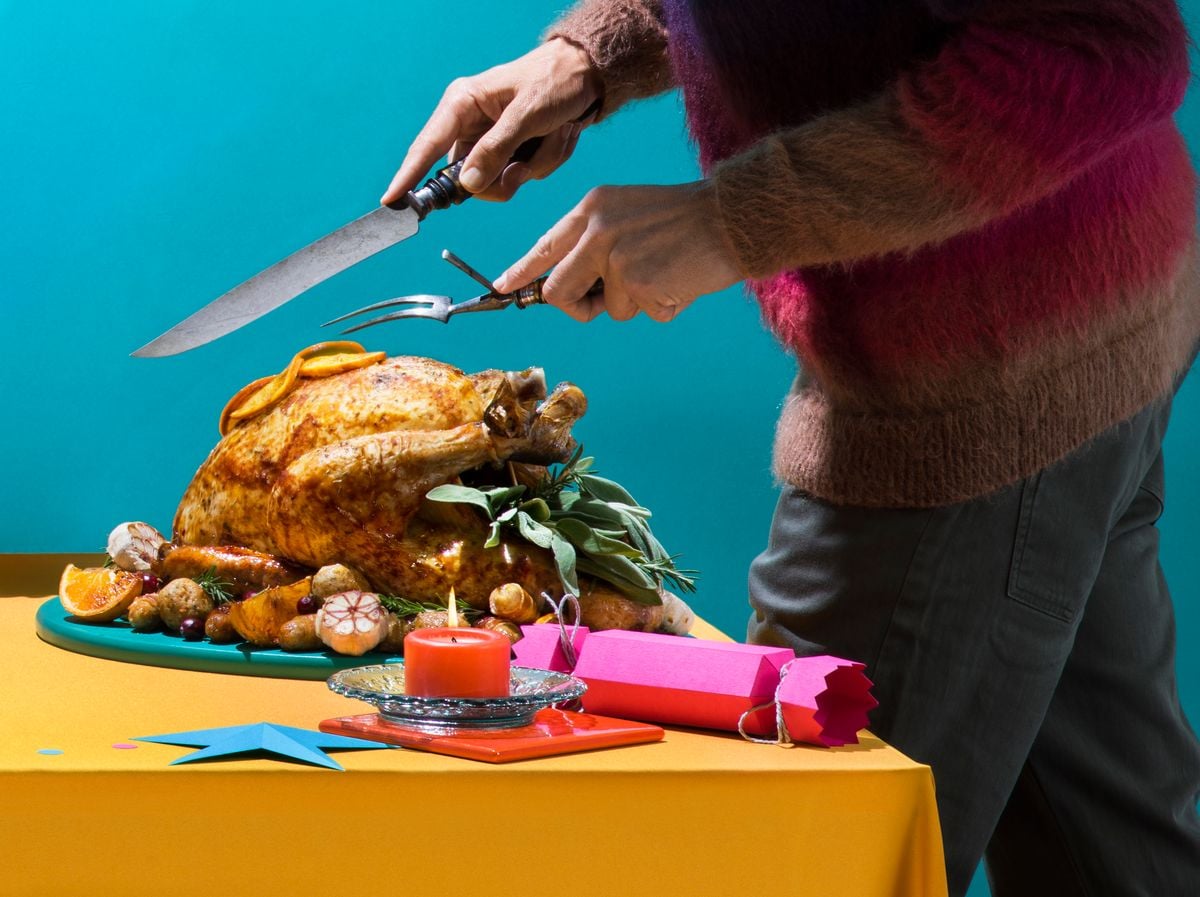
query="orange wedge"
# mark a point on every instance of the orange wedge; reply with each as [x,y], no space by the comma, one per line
[98,594]
[320,360]
[339,363]
[334,347]
[267,395]
[238,400]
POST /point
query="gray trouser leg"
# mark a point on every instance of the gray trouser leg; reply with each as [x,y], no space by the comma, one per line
[1021,644]
[1112,776]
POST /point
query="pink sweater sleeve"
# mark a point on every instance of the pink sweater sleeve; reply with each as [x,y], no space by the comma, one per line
[627,42]
[1025,95]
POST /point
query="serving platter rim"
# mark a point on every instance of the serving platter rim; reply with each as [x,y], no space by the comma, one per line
[118,641]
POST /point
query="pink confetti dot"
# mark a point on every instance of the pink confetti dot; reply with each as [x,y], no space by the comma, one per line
[125,746]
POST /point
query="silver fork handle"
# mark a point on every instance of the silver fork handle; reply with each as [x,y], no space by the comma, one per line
[532,294]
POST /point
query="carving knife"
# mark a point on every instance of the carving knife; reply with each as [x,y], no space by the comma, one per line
[305,268]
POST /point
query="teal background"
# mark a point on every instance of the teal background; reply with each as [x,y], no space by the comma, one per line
[155,154]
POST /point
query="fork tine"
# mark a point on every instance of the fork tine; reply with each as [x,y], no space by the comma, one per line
[432,314]
[431,301]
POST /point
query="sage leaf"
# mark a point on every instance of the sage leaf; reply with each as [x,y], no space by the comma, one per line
[454,494]
[503,495]
[590,541]
[537,509]
[591,520]
[645,540]
[565,559]
[637,537]
[590,507]
[634,591]
[493,538]
[617,568]
[611,533]
[535,532]
[598,514]
[604,489]
[633,510]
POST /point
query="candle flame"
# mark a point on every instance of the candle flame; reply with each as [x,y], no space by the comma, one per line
[452,610]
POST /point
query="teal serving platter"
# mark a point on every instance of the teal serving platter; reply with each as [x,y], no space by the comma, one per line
[118,641]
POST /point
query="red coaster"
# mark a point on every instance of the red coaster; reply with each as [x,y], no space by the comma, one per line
[552,732]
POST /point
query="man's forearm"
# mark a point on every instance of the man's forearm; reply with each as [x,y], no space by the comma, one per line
[627,43]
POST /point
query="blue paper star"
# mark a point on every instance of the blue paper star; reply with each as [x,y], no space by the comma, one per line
[299,744]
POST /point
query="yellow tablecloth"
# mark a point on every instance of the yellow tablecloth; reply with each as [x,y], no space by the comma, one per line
[697,814]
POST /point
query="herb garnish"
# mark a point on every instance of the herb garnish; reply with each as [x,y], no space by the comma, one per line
[220,591]
[590,524]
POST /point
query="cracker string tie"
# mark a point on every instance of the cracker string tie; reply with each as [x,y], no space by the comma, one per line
[567,640]
[782,737]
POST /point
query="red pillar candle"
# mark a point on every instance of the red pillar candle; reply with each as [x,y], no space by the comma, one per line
[456,662]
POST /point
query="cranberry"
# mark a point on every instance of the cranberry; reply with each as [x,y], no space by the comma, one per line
[307,605]
[246,595]
[191,628]
[149,583]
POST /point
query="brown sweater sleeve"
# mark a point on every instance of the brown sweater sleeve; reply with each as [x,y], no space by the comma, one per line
[1026,96]
[627,42]
[850,184]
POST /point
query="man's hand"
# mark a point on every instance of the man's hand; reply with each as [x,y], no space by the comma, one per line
[657,249]
[486,117]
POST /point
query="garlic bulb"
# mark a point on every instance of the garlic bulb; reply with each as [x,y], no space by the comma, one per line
[135,546]
[352,622]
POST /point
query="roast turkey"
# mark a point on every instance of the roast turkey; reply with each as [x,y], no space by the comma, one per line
[337,472]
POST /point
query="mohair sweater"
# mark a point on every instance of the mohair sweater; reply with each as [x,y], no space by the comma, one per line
[973,223]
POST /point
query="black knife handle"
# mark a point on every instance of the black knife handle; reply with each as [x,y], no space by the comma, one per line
[440,192]
[444,189]
[532,294]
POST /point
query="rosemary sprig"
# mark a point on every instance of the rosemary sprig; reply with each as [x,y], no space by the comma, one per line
[567,474]
[684,580]
[407,607]
[220,591]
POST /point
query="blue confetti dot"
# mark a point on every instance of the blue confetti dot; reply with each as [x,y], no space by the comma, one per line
[50,751]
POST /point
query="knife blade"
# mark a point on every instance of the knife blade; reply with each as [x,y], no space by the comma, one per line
[305,268]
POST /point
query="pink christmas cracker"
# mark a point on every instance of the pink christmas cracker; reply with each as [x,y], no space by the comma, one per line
[824,700]
[541,647]
[681,681]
